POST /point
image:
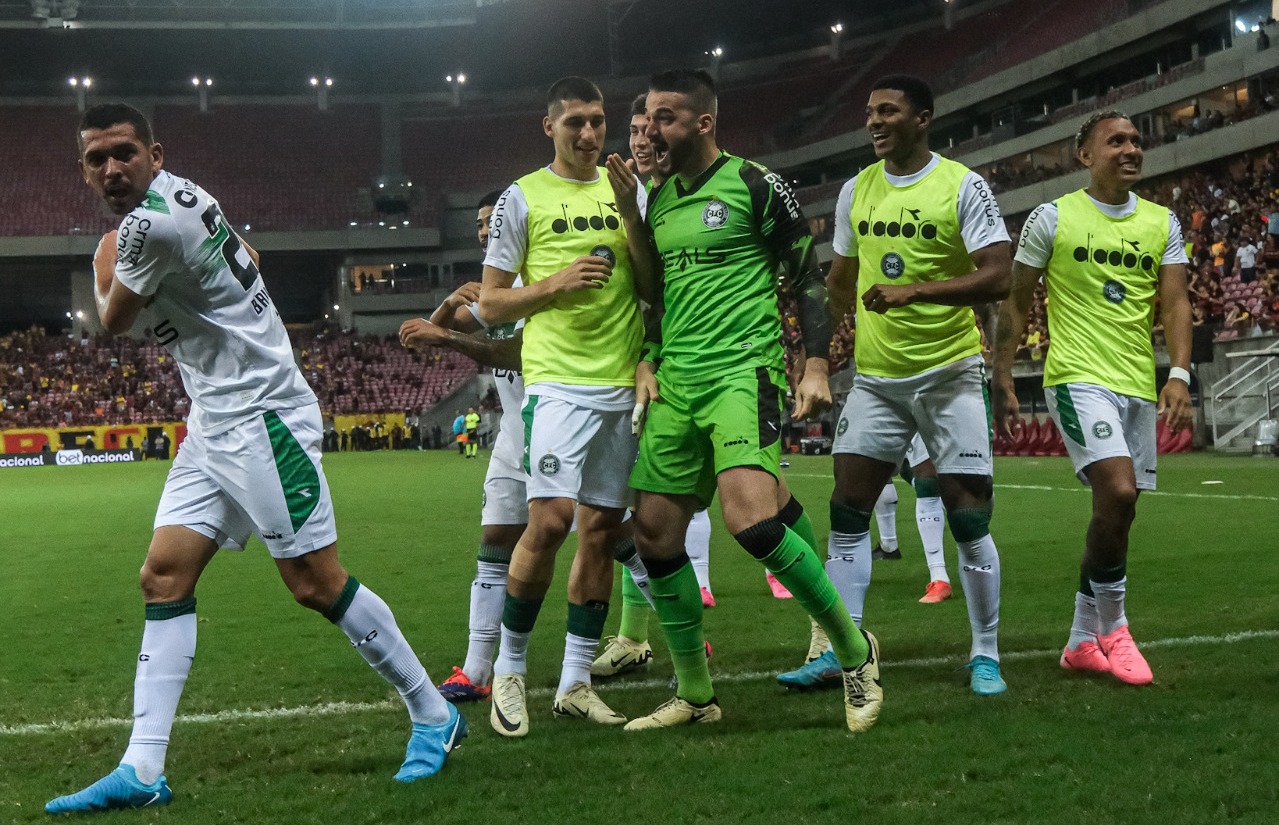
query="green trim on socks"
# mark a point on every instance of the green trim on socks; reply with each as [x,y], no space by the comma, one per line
[845,519]
[969,524]
[1108,575]
[494,554]
[338,609]
[635,609]
[587,620]
[805,577]
[519,615]
[927,487]
[170,610]
[679,608]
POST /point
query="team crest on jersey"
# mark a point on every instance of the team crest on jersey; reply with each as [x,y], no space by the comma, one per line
[549,465]
[892,266]
[842,428]
[715,214]
[1114,292]
[1102,430]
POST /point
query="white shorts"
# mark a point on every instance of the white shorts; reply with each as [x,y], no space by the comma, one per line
[262,477]
[1097,423]
[916,452]
[505,501]
[576,452]
[947,407]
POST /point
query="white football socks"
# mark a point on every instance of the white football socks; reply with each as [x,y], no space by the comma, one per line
[697,543]
[1110,604]
[579,652]
[168,648]
[512,656]
[886,516]
[639,574]
[848,565]
[979,573]
[931,517]
[371,627]
[488,594]
[1084,627]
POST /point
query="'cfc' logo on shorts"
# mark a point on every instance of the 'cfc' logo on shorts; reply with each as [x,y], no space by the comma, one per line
[549,465]
[842,428]
[1102,430]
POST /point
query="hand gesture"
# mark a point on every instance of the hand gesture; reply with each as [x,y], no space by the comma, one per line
[883,297]
[465,295]
[587,272]
[621,176]
[419,332]
[1007,409]
[1174,402]
[812,394]
[646,391]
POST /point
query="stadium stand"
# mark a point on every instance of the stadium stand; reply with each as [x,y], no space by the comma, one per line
[52,381]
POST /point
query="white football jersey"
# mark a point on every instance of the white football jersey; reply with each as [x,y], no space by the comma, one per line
[208,307]
[508,449]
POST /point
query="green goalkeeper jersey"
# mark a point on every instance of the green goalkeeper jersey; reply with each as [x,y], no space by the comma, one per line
[721,237]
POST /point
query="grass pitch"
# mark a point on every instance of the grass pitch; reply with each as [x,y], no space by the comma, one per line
[308,734]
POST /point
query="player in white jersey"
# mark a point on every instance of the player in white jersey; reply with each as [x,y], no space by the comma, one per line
[249,465]
[504,516]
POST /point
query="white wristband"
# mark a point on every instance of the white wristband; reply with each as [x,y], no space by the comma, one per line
[1180,373]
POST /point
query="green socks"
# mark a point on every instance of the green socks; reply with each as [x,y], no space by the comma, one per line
[679,609]
[634,610]
[796,565]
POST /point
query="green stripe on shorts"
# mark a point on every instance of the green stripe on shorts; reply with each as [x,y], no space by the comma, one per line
[527,414]
[298,478]
[1069,417]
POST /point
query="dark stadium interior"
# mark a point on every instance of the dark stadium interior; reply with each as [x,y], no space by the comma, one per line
[318,177]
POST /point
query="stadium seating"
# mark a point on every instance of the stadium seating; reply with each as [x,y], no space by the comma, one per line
[51,381]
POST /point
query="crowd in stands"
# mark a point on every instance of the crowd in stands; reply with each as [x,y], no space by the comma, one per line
[52,380]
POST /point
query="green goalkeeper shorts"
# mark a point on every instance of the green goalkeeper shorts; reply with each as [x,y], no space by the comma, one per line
[696,431]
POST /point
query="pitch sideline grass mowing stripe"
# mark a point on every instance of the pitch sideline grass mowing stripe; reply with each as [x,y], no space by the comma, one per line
[343,708]
[1083,489]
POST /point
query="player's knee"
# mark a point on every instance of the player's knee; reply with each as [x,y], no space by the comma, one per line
[160,585]
[1117,501]
[762,538]
[845,518]
[311,595]
[970,523]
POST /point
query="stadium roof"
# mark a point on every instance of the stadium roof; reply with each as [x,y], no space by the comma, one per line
[148,47]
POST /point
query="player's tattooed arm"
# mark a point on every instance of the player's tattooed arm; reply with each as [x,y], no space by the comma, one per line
[1010,327]
[1174,301]
[808,287]
[416,333]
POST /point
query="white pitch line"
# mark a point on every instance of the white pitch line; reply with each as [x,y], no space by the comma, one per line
[1082,489]
[344,708]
